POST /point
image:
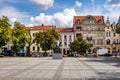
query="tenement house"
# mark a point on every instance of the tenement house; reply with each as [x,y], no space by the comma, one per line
[66,36]
[112,39]
[92,28]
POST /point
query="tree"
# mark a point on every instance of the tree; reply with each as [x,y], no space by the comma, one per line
[5,31]
[79,45]
[118,30]
[29,41]
[46,39]
[18,36]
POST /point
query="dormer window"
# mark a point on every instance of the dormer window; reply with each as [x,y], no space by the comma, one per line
[99,21]
[78,21]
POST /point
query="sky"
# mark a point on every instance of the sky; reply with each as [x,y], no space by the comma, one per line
[57,12]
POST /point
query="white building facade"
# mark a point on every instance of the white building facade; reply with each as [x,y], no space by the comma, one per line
[66,36]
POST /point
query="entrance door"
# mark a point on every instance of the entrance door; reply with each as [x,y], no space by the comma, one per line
[64,51]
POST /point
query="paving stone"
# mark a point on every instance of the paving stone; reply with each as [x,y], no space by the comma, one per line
[66,69]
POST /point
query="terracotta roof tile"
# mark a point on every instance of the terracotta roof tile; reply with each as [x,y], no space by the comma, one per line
[64,29]
[83,17]
[46,27]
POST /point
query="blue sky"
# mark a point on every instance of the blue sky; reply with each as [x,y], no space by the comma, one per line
[57,12]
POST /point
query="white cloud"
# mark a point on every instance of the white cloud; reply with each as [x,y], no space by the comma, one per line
[44,4]
[112,14]
[60,19]
[112,3]
[13,20]
[113,7]
[78,4]
[13,14]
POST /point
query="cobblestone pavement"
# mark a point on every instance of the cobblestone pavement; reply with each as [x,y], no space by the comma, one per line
[65,69]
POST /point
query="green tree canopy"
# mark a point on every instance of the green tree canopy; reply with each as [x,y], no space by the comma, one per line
[18,36]
[118,30]
[29,41]
[5,31]
[46,39]
[79,45]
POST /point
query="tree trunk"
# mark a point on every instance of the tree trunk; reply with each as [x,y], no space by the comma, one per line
[46,53]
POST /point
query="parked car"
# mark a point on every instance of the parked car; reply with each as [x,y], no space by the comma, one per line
[90,54]
[70,55]
[37,54]
[20,54]
[8,53]
[106,55]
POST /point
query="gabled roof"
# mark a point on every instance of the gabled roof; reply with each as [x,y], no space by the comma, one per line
[46,27]
[81,18]
[64,29]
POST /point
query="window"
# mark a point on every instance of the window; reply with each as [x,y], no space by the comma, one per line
[60,43]
[109,34]
[38,48]
[78,21]
[79,34]
[106,34]
[100,41]
[92,22]
[33,48]
[33,34]
[93,41]
[70,38]
[107,27]
[88,28]
[108,42]
[60,38]
[85,22]
[114,34]
[100,28]
[114,41]
[65,38]
[78,28]
[93,28]
[100,34]
[99,21]
[85,28]
[33,41]
[88,22]
[65,43]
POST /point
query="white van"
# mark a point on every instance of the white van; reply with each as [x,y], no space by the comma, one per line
[101,52]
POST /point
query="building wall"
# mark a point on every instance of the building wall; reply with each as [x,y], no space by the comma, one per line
[64,41]
[112,39]
[86,26]
[91,30]
[34,47]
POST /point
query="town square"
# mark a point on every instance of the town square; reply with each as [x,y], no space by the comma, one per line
[59,69]
[59,39]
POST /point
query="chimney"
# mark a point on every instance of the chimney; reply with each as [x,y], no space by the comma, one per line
[42,24]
